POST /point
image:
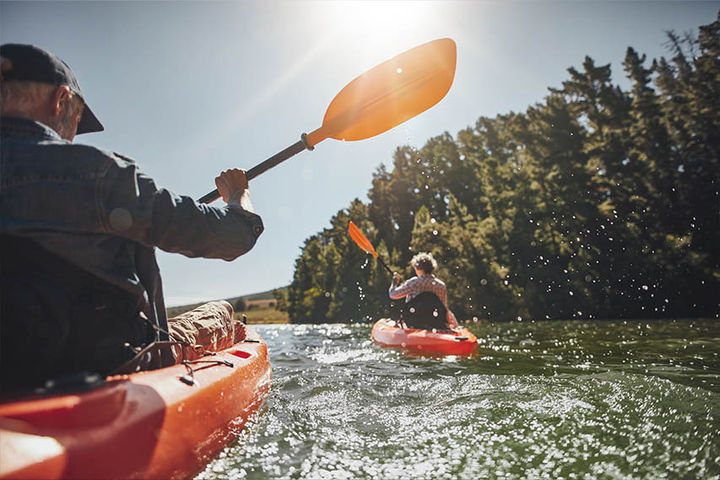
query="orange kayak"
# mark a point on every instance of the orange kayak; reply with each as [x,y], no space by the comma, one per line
[387,333]
[145,425]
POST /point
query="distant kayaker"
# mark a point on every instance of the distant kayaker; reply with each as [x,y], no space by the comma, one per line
[81,289]
[423,314]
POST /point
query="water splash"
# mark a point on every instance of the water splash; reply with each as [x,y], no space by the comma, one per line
[540,400]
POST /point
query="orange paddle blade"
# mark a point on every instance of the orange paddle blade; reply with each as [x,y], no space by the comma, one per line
[361,239]
[390,93]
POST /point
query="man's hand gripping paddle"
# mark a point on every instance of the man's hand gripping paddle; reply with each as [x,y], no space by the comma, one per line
[378,100]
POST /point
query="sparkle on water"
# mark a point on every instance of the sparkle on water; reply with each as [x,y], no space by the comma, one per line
[539,400]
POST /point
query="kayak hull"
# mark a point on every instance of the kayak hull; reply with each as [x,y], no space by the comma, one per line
[145,425]
[386,333]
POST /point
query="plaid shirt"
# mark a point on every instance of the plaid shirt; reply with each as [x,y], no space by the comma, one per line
[417,285]
[424,283]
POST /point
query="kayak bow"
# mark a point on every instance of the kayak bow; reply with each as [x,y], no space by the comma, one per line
[145,425]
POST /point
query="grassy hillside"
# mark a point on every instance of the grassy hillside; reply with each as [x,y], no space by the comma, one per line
[259,308]
[262,311]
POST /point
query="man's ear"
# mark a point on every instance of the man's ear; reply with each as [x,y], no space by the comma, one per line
[60,96]
[5,67]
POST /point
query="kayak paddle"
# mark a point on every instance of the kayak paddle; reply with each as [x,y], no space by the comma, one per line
[378,100]
[364,243]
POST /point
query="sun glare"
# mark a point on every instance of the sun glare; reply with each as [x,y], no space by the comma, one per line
[380,25]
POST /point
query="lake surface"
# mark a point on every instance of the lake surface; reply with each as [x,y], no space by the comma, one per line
[604,399]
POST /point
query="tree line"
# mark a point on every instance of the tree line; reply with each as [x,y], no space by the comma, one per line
[598,202]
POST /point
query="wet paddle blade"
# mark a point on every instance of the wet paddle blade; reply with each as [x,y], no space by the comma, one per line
[390,93]
[378,100]
[361,240]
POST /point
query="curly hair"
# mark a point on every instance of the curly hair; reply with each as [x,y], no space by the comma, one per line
[424,261]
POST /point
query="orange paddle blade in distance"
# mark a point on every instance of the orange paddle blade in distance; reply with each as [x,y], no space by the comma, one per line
[361,239]
[390,93]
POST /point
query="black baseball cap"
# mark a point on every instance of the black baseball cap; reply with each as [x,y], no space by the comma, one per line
[28,63]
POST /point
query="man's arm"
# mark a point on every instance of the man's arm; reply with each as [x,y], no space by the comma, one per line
[176,223]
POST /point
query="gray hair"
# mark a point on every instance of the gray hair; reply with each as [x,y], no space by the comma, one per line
[26,97]
[424,261]
[16,96]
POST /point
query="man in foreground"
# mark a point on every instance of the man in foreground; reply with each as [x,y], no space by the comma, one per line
[81,290]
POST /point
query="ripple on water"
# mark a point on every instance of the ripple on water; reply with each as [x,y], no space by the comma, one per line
[346,408]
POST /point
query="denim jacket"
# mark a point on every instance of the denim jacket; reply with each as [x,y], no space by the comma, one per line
[96,210]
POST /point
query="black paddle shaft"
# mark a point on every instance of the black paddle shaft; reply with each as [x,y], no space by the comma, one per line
[280,157]
[384,265]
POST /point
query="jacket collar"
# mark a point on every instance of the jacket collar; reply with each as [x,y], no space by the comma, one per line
[25,127]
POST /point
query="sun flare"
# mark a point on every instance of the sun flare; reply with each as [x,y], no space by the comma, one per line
[379,25]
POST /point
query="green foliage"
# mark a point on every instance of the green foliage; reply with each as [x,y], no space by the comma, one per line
[240,305]
[280,296]
[595,203]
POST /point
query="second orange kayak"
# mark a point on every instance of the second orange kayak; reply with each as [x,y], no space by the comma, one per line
[387,333]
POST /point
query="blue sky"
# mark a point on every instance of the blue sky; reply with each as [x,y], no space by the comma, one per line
[188,89]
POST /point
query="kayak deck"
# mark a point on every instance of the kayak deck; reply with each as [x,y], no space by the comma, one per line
[387,333]
[145,425]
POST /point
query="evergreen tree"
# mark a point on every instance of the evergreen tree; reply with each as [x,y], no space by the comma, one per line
[595,203]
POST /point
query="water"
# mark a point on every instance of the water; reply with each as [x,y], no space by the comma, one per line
[540,400]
